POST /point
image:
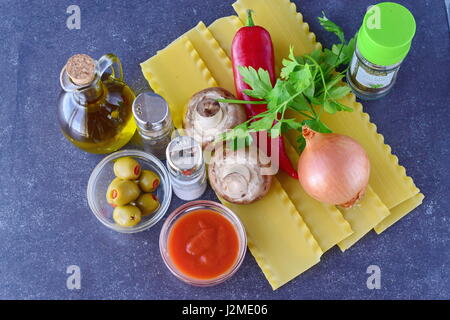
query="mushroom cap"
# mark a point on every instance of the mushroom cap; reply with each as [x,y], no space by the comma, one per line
[237,175]
[206,118]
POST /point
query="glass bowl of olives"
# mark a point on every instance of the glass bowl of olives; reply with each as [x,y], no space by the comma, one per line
[129,191]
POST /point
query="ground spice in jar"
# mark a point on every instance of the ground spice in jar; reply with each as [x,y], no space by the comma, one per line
[154,123]
[383,42]
[186,167]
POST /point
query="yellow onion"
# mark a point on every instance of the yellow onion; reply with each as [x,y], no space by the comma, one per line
[333,168]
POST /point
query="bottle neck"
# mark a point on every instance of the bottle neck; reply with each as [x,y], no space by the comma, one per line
[91,93]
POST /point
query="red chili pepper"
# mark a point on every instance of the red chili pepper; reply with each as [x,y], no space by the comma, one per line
[252,47]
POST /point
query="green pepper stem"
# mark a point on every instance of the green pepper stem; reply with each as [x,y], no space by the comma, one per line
[250,22]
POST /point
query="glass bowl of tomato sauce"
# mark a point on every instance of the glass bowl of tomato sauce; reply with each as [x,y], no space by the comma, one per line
[203,243]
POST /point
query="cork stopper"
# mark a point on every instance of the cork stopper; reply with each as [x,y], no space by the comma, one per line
[81,69]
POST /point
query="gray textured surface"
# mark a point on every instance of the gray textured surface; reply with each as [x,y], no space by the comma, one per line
[46,225]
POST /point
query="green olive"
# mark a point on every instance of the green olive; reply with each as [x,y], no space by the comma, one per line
[122,192]
[148,203]
[127,168]
[127,216]
[149,181]
[111,186]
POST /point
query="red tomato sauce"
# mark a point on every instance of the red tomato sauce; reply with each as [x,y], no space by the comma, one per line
[203,244]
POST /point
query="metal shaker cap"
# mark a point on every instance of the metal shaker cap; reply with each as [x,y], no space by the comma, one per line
[151,113]
[184,156]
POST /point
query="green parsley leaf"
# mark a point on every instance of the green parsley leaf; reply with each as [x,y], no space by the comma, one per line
[278,95]
[347,51]
[341,107]
[300,79]
[316,55]
[334,79]
[259,81]
[299,103]
[289,65]
[340,53]
[339,92]
[317,125]
[329,25]
[293,124]
[239,143]
[329,107]
[264,123]
[276,130]
[239,137]
[309,92]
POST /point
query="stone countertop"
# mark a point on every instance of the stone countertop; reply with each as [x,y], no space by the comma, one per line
[45,221]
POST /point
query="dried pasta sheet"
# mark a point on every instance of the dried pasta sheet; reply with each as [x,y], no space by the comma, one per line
[176,73]
[278,237]
[224,29]
[326,223]
[363,217]
[388,179]
[213,55]
[399,212]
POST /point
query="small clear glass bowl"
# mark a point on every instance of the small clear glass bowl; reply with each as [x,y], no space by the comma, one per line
[103,174]
[202,205]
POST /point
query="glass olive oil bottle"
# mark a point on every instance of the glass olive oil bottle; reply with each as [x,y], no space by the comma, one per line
[95,107]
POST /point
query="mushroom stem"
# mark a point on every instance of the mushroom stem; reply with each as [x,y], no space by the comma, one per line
[209,113]
[236,179]
[239,169]
[236,186]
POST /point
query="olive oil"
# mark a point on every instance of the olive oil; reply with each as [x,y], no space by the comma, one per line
[97,117]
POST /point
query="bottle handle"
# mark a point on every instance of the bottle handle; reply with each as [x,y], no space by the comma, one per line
[110,61]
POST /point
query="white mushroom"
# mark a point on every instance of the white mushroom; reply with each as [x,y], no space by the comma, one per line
[206,118]
[238,176]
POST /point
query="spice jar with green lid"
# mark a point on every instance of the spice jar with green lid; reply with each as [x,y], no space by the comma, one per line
[383,42]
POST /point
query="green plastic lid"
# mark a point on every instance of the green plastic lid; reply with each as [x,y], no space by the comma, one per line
[386,33]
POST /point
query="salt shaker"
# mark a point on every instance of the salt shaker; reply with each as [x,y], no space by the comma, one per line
[186,168]
[154,124]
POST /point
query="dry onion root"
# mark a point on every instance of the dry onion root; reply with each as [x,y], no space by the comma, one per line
[333,168]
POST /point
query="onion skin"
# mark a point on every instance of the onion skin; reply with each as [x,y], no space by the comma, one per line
[333,168]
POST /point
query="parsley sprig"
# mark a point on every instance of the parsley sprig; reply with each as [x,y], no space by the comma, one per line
[308,85]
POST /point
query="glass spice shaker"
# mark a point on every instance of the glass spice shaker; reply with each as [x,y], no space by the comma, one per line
[186,167]
[383,41]
[154,123]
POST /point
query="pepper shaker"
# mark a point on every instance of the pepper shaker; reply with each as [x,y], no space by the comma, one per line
[186,167]
[154,124]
